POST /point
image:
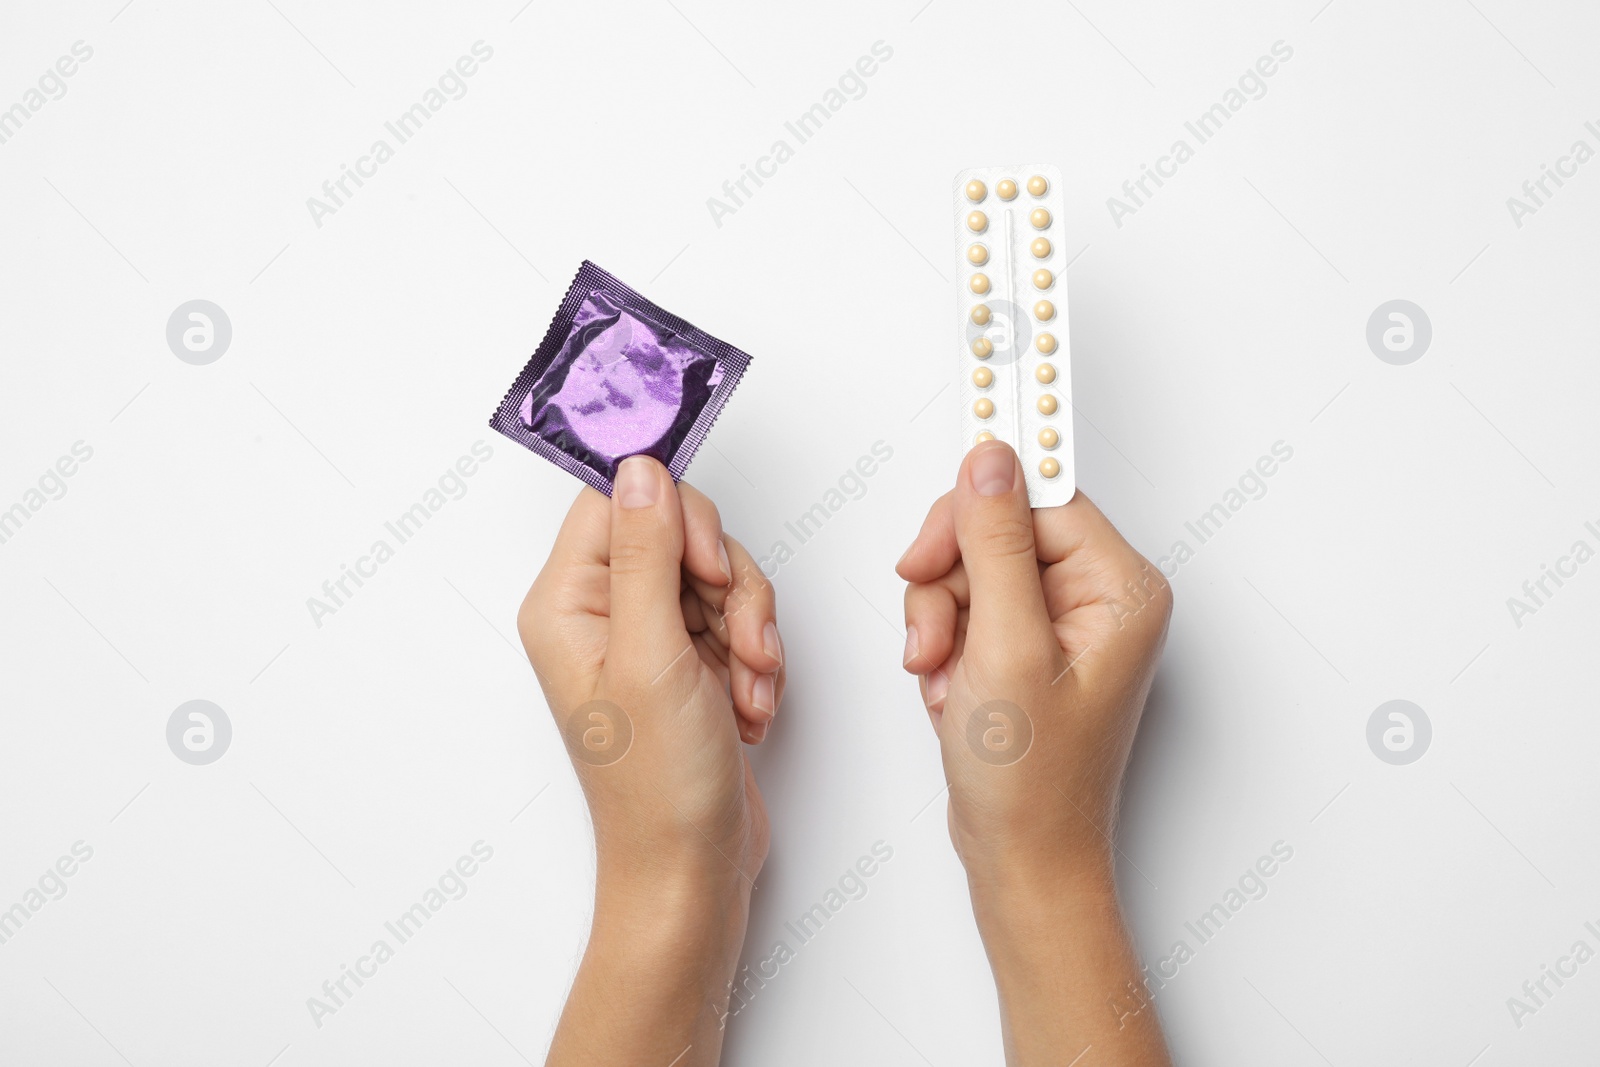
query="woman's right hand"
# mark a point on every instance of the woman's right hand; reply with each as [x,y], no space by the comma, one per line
[1036,635]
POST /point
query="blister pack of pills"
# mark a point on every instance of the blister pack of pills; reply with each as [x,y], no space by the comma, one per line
[1015,367]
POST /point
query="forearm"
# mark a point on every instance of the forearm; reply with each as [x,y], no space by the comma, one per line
[1066,973]
[653,984]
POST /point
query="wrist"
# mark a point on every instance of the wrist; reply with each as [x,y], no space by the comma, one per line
[1065,968]
[692,907]
[1031,874]
[671,939]
[664,944]
[656,872]
[1026,910]
[644,857]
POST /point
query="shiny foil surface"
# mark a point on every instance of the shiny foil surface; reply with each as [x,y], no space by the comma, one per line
[615,377]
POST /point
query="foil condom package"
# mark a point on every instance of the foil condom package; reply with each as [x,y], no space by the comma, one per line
[617,376]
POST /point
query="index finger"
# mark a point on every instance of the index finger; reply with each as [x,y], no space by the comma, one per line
[1059,532]
[1077,525]
[585,534]
[704,554]
[934,551]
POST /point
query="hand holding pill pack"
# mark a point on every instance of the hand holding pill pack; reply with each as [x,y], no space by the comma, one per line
[1015,368]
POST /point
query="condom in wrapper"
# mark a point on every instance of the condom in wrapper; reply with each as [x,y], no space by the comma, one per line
[616,376]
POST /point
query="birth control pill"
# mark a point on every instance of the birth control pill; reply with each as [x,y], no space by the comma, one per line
[1015,376]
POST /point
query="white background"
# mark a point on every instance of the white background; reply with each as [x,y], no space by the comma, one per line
[1227,314]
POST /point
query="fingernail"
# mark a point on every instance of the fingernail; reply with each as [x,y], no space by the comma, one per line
[903,557]
[722,561]
[763,697]
[993,471]
[637,485]
[912,651]
[938,686]
[758,733]
[770,644]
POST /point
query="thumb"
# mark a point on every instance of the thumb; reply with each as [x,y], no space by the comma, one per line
[994,529]
[646,556]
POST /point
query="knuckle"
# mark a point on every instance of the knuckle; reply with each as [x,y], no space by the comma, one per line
[1013,667]
[922,601]
[532,617]
[1154,585]
[1146,599]
[1006,536]
[717,622]
[1164,601]
[634,554]
[752,583]
[750,589]
[713,515]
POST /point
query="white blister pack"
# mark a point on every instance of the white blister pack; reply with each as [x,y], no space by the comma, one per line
[1011,292]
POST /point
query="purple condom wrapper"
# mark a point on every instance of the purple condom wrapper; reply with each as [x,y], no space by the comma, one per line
[617,376]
